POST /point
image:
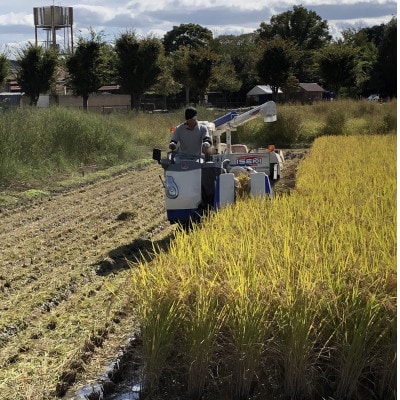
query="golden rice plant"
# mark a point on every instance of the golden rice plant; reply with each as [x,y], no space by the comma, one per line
[159,312]
[297,343]
[307,283]
[248,321]
[355,219]
[204,319]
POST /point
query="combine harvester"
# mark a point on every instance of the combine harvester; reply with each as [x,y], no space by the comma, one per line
[194,187]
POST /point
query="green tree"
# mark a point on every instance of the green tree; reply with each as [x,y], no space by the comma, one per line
[304,28]
[166,84]
[224,77]
[241,52]
[276,63]
[188,45]
[384,76]
[200,68]
[192,69]
[4,68]
[180,70]
[290,87]
[89,66]
[374,33]
[138,65]
[366,55]
[301,26]
[36,73]
[336,63]
[188,35]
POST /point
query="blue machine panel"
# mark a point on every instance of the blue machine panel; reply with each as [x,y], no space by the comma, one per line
[225,118]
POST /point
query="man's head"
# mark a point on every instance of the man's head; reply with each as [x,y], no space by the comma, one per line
[190,113]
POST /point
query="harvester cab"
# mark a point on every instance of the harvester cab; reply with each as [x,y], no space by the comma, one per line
[194,187]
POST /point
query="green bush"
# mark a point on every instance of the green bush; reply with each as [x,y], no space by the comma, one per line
[299,125]
[36,142]
[384,123]
[287,129]
[334,123]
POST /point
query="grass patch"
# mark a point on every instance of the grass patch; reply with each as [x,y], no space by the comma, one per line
[7,199]
[303,124]
[79,178]
[35,143]
[31,193]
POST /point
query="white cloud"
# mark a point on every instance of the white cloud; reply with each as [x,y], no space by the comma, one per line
[157,17]
[101,14]
[13,18]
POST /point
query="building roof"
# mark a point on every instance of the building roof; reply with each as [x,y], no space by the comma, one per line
[109,88]
[261,89]
[311,87]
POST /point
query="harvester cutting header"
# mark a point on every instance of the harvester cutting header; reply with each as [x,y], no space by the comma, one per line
[196,184]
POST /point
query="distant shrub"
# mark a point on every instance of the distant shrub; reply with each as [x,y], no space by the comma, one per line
[285,131]
[334,123]
[36,142]
[389,122]
[288,127]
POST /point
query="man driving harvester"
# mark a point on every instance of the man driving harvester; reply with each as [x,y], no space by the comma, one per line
[193,138]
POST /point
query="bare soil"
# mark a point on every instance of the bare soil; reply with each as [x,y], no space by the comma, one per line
[63,258]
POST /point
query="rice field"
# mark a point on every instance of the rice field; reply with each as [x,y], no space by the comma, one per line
[293,298]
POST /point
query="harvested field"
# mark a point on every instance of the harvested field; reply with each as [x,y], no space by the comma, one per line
[64,262]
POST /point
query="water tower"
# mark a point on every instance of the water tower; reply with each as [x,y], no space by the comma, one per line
[56,22]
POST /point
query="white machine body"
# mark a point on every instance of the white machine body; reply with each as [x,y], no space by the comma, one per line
[267,160]
[192,188]
[261,160]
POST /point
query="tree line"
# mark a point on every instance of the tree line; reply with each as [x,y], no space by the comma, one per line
[295,46]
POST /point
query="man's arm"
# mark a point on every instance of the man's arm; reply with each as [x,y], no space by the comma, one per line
[206,135]
[173,144]
[207,141]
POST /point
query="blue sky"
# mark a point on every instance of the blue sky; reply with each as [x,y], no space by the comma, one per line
[113,17]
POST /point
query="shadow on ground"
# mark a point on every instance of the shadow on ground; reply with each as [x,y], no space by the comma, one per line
[140,250]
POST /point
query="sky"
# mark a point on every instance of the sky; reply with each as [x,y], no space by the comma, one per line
[156,17]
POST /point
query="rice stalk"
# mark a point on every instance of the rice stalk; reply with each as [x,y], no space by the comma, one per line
[298,344]
[158,332]
[205,317]
[357,338]
[248,322]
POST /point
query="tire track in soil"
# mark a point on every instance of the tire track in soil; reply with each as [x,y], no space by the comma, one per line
[54,249]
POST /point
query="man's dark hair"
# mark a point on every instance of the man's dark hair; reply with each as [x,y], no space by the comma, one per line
[190,112]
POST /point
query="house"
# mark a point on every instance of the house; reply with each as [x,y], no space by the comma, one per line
[11,85]
[308,92]
[260,94]
[111,88]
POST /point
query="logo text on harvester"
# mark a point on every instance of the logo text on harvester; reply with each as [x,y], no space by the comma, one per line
[246,160]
